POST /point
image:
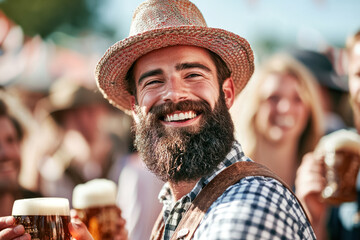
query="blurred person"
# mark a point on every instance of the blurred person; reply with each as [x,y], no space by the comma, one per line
[333,87]
[84,147]
[14,129]
[17,66]
[280,116]
[333,222]
[178,78]
[30,148]
[28,66]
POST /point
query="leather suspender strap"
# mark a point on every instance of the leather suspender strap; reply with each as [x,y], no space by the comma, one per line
[208,195]
[158,229]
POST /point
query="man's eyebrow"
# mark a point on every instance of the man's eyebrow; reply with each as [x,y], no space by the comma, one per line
[182,66]
[149,74]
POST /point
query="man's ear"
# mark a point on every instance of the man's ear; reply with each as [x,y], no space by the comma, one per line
[133,109]
[229,91]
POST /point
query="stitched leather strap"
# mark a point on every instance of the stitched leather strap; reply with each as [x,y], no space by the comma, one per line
[213,190]
[158,229]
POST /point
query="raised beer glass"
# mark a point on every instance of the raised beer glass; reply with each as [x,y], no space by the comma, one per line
[95,203]
[43,218]
[341,151]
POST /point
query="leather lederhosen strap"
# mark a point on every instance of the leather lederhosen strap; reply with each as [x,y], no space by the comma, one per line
[213,190]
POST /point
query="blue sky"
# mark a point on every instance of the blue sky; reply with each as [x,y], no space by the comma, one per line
[307,23]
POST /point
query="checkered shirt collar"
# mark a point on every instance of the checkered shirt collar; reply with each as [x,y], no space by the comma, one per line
[173,211]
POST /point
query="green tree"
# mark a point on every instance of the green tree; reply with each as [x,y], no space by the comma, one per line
[43,17]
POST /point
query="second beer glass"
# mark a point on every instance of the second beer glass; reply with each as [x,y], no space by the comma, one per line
[95,202]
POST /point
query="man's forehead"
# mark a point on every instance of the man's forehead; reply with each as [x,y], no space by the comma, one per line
[183,50]
[187,56]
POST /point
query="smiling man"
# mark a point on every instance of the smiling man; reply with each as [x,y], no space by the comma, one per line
[178,78]
[183,126]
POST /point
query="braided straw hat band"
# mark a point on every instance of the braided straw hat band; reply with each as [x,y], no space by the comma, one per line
[112,68]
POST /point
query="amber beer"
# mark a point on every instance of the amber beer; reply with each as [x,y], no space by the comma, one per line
[95,202]
[43,218]
[341,151]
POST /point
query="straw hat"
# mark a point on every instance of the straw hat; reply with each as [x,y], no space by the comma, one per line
[161,23]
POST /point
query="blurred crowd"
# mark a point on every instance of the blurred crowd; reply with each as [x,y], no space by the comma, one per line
[62,133]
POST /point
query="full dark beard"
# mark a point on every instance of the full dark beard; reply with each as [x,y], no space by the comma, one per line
[188,153]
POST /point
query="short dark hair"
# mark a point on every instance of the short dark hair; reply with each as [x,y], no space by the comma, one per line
[130,79]
[222,72]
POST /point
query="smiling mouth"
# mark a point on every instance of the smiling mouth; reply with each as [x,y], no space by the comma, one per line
[180,116]
[287,121]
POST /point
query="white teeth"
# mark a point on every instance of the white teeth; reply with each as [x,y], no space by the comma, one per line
[180,116]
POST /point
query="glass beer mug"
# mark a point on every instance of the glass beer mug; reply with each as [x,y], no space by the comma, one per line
[95,203]
[341,156]
[43,218]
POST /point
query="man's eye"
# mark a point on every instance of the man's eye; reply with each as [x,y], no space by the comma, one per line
[193,75]
[152,82]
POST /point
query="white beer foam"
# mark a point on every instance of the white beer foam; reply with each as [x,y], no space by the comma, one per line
[41,206]
[97,192]
[341,139]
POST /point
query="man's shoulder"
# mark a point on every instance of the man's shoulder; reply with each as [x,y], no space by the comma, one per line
[257,190]
[259,207]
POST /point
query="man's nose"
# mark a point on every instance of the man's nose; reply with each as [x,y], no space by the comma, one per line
[175,90]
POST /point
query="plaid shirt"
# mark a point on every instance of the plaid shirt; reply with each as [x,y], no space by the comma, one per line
[254,208]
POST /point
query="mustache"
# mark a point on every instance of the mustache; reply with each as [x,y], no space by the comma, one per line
[199,106]
[186,153]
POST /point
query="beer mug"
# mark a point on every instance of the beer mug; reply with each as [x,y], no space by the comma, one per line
[43,218]
[341,151]
[95,203]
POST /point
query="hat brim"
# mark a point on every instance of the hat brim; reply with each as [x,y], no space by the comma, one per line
[114,65]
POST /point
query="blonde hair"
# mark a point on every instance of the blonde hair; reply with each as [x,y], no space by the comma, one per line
[249,102]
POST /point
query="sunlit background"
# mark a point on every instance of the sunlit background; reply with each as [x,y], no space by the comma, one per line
[88,27]
[44,41]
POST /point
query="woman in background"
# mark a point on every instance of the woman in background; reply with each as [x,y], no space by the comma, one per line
[15,130]
[281,115]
